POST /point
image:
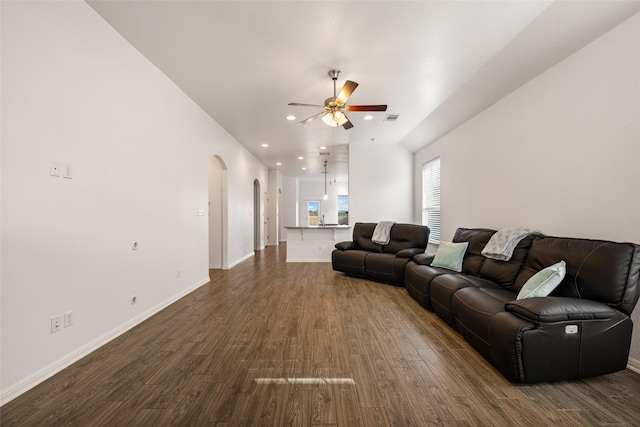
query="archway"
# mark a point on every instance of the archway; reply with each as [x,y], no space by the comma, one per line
[217,213]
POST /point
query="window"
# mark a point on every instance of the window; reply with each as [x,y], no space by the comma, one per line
[312,212]
[343,210]
[431,198]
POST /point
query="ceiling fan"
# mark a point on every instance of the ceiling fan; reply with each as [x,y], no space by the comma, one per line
[334,108]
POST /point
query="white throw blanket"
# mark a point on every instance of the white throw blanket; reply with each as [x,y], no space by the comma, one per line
[504,241]
[382,232]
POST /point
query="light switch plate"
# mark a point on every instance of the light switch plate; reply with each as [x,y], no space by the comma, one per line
[54,168]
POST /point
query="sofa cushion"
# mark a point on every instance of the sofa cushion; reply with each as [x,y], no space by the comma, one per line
[444,287]
[474,309]
[543,282]
[602,271]
[504,273]
[349,262]
[362,233]
[406,236]
[385,268]
[417,281]
[477,238]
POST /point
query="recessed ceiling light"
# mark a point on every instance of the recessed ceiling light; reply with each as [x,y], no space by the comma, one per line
[323,148]
[304,169]
[264,145]
[300,158]
[368,117]
[291,117]
[279,164]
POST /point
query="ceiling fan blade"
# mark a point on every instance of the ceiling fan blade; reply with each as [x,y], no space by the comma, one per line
[366,108]
[346,92]
[347,124]
[297,104]
[315,116]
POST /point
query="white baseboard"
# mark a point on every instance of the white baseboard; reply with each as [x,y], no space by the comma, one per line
[26,384]
[244,258]
[634,365]
[309,260]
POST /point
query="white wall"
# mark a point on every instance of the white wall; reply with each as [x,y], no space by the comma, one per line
[73,91]
[380,183]
[289,213]
[560,154]
[216,208]
[275,200]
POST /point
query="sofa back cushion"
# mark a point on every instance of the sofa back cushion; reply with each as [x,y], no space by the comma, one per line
[477,238]
[504,273]
[405,236]
[597,270]
[362,233]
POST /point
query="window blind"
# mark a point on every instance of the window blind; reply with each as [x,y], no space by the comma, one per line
[431,198]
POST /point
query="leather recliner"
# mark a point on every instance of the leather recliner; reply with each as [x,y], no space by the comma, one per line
[581,330]
[382,263]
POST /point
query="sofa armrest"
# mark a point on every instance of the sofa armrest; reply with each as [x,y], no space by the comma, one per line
[559,309]
[423,258]
[345,246]
[409,252]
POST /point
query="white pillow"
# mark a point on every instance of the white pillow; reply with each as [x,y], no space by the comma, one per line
[544,281]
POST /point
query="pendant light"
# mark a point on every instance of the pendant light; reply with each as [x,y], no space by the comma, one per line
[326,196]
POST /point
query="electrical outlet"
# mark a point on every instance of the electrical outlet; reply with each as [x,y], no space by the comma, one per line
[56,323]
[68,319]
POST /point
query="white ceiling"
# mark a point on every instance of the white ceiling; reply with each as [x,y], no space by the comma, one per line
[435,63]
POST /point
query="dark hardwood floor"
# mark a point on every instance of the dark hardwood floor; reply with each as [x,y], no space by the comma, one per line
[276,344]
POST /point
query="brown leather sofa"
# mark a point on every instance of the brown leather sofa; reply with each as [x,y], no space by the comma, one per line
[382,263]
[582,329]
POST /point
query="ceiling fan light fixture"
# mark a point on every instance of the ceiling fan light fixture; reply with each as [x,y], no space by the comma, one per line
[334,118]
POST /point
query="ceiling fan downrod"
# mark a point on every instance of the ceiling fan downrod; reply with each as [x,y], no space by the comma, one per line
[334,76]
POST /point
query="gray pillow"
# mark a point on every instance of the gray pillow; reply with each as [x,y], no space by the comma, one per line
[450,255]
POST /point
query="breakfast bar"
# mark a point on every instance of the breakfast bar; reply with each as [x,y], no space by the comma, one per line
[314,243]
